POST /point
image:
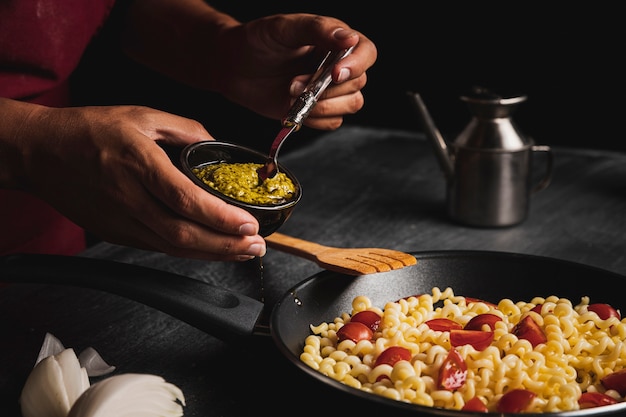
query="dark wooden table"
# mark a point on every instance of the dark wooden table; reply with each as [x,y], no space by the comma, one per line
[362,187]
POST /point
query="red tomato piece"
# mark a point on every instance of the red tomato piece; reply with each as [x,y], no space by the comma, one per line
[537,308]
[604,311]
[393,354]
[477,338]
[369,318]
[475,404]
[478,300]
[616,381]
[443,324]
[354,331]
[477,322]
[528,329]
[515,401]
[453,371]
[595,399]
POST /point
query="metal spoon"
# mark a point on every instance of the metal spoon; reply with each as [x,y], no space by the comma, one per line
[301,109]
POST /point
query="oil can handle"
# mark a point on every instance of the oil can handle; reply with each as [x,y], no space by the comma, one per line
[547,177]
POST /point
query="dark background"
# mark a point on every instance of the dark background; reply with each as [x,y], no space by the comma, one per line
[567,60]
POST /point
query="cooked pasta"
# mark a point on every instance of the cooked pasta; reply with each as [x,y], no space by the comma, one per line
[579,349]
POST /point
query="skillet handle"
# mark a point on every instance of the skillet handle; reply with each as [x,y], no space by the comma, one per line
[216,311]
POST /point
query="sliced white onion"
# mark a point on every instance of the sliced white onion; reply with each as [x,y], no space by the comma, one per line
[93,363]
[130,395]
[58,386]
[51,346]
[53,386]
[89,358]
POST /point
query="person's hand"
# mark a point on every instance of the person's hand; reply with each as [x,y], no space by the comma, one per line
[102,168]
[265,64]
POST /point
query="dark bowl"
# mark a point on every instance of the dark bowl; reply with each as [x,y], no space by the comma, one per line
[270,217]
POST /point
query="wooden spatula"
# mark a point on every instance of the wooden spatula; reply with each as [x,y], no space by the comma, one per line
[351,261]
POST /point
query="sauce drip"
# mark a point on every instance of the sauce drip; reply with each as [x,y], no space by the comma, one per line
[261,280]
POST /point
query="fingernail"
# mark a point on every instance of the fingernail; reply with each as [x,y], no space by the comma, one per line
[248,229]
[341,33]
[344,74]
[256,249]
[296,88]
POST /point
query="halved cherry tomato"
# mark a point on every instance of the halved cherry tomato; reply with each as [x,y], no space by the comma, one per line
[604,311]
[393,354]
[478,300]
[475,404]
[453,371]
[355,331]
[477,322]
[477,338]
[443,324]
[595,399]
[369,318]
[616,381]
[537,308]
[528,329]
[515,401]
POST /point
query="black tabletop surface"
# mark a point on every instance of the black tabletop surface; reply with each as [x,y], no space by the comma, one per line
[362,188]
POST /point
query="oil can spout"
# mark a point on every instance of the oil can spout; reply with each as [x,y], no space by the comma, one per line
[433,134]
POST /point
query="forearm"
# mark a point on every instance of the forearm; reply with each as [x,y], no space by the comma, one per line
[17,120]
[178,38]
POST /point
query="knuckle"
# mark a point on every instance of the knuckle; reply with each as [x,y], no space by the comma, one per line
[180,235]
[358,101]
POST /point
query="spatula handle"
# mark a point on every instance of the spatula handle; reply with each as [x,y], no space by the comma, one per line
[294,246]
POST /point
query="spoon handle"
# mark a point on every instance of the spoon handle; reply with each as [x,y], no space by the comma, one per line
[301,108]
[316,86]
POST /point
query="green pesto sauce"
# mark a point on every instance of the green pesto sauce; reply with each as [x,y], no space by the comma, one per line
[241,182]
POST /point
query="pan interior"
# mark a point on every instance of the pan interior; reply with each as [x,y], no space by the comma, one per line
[490,276]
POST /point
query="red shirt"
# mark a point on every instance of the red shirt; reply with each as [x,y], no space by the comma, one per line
[41,44]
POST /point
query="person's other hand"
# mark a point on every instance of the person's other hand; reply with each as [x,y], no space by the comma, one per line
[265,64]
[102,168]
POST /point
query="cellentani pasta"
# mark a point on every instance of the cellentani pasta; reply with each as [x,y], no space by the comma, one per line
[579,349]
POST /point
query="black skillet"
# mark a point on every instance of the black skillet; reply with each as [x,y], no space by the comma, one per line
[486,275]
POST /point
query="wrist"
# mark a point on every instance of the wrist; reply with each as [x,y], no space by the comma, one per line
[15,140]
